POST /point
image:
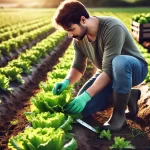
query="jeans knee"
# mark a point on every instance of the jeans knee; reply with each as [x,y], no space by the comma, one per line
[122,74]
[118,64]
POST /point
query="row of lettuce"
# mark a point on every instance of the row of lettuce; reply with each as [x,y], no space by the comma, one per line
[12,45]
[22,24]
[21,29]
[23,64]
[11,19]
[49,125]
[146,55]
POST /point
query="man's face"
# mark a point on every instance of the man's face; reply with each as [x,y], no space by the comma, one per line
[76,31]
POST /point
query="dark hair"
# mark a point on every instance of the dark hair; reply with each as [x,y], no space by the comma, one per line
[69,11]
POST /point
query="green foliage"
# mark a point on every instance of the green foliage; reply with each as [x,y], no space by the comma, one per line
[136,132]
[45,119]
[49,84]
[46,101]
[29,56]
[59,73]
[13,73]
[42,139]
[4,82]
[14,122]
[5,49]
[105,134]
[72,145]
[121,144]
[142,18]
[24,65]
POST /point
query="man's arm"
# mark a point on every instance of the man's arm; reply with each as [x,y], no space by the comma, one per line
[102,80]
[79,102]
[112,48]
[74,75]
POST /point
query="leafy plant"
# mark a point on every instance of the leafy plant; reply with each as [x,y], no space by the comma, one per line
[105,134]
[14,122]
[45,119]
[46,101]
[136,132]
[42,139]
[49,84]
[24,65]
[59,73]
[29,57]
[13,73]
[5,49]
[121,144]
[4,83]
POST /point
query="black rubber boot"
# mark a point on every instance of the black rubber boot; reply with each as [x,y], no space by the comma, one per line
[133,104]
[118,118]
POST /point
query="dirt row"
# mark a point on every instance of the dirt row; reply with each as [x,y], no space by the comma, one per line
[15,53]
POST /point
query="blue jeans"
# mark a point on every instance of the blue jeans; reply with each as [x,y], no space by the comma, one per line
[127,71]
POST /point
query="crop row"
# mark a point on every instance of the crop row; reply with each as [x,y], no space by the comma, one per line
[21,25]
[47,115]
[147,58]
[22,65]
[21,30]
[13,44]
[19,16]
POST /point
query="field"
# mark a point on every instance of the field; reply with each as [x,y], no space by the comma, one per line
[33,57]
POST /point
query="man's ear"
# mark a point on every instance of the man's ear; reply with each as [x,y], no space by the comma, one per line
[82,20]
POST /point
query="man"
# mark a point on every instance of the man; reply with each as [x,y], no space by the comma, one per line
[109,45]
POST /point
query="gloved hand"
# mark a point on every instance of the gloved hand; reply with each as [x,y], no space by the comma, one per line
[78,103]
[60,86]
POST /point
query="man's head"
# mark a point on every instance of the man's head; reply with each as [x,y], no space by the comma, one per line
[71,15]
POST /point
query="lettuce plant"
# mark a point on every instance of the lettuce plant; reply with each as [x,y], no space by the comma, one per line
[4,82]
[46,119]
[105,134]
[13,73]
[59,73]
[29,57]
[49,84]
[46,101]
[24,65]
[121,144]
[42,139]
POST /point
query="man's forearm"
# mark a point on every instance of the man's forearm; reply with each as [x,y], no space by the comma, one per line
[74,75]
[101,81]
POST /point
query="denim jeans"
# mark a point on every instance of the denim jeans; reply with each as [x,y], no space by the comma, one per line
[127,71]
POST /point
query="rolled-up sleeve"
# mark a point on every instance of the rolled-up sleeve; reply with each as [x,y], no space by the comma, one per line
[113,43]
[79,61]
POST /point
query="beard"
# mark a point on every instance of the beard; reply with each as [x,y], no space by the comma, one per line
[83,33]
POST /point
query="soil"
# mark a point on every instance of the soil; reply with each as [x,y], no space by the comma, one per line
[137,131]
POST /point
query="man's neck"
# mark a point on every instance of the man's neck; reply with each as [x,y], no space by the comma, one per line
[93,25]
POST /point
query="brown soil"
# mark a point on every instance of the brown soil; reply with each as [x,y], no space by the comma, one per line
[137,132]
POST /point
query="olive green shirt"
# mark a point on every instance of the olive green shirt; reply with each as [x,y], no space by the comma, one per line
[112,39]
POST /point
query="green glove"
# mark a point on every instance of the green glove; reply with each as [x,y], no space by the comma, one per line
[60,86]
[78,103]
